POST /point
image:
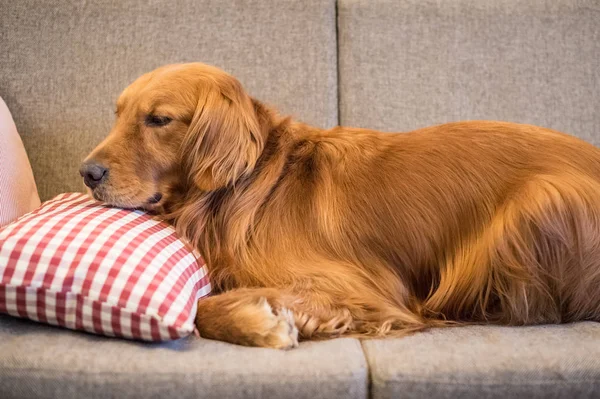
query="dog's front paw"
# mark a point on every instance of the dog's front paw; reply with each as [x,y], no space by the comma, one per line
[248,317]
[275,327]
[333,324]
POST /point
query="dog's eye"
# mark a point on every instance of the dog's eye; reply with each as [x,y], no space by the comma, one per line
[157,121]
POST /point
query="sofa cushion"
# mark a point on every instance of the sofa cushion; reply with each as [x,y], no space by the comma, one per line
[69,60]
[45,362]
[18,193]
[413,63]
[80,264]
[558,361]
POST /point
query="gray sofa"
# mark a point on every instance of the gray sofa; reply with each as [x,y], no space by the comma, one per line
[391,65]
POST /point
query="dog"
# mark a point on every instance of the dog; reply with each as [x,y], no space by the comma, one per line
[311,234]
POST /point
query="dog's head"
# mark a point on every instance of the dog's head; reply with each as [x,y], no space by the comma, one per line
[177,126]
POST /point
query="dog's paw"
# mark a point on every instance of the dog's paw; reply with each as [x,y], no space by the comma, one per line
[278,327]
[249,317]
[314,326]
[338,325]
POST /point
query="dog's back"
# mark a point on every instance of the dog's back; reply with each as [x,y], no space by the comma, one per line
[478,221]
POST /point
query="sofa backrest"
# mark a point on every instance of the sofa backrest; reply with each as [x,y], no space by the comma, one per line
[408,64]
[64,62]
[390,65]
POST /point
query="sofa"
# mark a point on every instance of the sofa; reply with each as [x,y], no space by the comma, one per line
[393,65]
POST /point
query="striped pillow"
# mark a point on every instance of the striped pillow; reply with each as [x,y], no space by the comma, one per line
[82,265]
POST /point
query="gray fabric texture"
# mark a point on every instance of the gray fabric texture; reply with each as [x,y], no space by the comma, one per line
[408,64]
[64,62]
[489,362]
[38,361]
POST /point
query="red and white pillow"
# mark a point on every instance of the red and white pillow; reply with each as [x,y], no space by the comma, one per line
[82,265]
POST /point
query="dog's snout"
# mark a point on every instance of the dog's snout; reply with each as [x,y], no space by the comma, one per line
[93,174]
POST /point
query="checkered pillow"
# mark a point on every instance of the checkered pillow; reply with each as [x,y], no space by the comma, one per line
[82,265]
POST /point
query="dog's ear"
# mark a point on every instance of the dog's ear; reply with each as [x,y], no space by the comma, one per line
[224,139]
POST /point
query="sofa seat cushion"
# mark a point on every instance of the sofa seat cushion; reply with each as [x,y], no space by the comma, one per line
[47,362]
[559,361]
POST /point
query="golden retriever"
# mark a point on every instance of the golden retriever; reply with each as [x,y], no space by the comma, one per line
[312,233]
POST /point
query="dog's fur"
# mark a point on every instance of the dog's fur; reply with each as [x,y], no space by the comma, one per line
[317,233]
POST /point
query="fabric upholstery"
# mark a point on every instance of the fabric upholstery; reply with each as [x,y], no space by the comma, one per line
[414,63]
[45,362]
[65,62]
[82,265]
[489,362]
[18,192]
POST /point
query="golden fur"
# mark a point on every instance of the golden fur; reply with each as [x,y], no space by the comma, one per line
[351,231]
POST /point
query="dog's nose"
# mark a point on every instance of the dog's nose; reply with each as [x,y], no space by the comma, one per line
[93,174]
